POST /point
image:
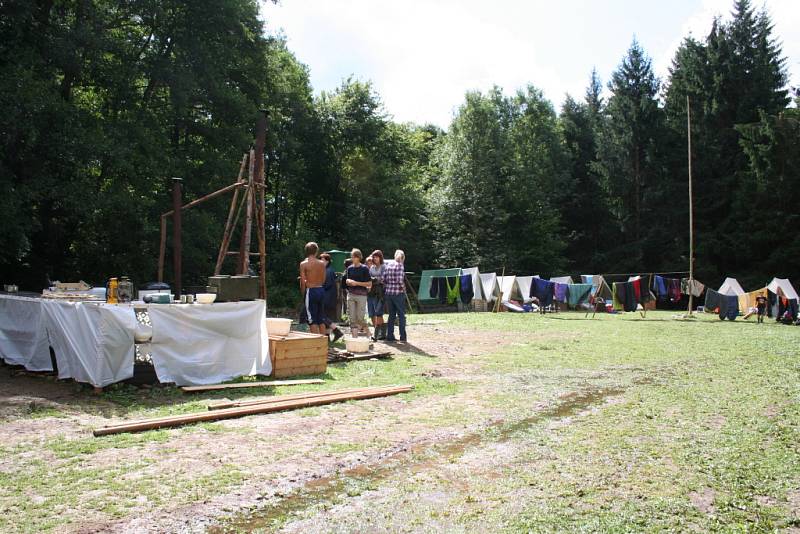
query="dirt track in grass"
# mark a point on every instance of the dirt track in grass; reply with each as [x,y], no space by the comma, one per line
[514,424]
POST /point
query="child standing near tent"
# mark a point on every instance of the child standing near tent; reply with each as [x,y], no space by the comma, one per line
[761,306]
[358,283]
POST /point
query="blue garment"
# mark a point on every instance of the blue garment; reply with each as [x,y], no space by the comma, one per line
[542,290]
[397,310]
[466,290]
[330,287]
[660,285]
[315,297]
[728,307]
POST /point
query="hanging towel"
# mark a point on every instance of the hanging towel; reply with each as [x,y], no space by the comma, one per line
[466,290]
[693,288]
[615,297]
[579,293]
[561,292]
[660,287]
[674,289]
[453,289]
[728,307]
[542,290]
[712,301]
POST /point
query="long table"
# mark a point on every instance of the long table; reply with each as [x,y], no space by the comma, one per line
[93,342]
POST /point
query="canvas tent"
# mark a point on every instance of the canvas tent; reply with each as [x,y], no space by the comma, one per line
[785,285]
[524,285]
[599,286]
[477,292]
[731,288]
[424,294]
[490,287]
[509,287]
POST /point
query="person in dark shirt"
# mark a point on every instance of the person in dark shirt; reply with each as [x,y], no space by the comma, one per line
[331,313]
[761,305]
[358,283]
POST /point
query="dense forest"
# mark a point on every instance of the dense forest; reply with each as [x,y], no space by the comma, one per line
[101,102]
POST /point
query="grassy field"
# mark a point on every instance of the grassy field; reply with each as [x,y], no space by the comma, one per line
[518,423]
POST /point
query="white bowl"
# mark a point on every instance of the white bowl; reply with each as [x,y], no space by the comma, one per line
[205,298]
[357,344]
[278,327]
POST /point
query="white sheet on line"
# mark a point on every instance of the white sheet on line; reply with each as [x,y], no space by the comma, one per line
[196,344]
[23,336]
[92,342]
[489,286]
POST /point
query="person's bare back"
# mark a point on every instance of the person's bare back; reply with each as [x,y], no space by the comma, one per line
[312,273]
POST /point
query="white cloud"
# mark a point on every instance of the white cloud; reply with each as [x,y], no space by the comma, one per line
[422,55]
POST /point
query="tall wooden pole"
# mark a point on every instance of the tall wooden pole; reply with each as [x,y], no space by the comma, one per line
[244,245]
[258,175]
[229,223]
[691,205]
[176,234]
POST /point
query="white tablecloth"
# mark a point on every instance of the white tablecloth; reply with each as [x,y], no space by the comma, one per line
[197,344]
[93,342]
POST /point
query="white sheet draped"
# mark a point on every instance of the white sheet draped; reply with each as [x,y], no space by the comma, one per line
[23,335]
[197,344]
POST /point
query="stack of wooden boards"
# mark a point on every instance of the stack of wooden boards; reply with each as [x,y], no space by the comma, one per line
[339,355]
[232,409]
[298,353]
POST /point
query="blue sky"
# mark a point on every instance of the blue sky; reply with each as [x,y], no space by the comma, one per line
[422,56]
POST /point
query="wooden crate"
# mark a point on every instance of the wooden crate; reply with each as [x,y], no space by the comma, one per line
[299,353]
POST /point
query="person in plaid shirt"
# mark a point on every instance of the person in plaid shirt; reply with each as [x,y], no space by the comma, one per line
[394,290]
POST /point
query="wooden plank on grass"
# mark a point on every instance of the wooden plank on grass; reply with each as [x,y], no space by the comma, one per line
[216,415]
[215,387]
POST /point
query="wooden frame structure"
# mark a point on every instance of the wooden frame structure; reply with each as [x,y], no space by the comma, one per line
[252,203]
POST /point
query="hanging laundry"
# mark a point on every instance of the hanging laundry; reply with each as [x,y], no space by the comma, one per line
[579,293]
[561,292]
[712,301]
[692,287]
[728,307]
[542,290]
[660,287]
[637,289]
[626,295]
[616,302]
[466,290]
[439,289]
[674,289]
[453,289]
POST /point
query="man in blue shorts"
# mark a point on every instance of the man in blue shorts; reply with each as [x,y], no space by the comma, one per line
[312,278]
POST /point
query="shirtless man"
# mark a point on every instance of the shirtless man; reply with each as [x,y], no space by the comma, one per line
[312,278]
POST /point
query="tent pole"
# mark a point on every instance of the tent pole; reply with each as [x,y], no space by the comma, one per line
[691,209]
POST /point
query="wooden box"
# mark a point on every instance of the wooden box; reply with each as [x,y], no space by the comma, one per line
[299,353]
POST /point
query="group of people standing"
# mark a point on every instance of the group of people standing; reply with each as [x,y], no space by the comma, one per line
[372,287]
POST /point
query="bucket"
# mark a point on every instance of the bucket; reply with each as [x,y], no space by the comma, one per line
[278,327]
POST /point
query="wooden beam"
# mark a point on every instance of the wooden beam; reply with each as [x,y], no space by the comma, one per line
[244,245]
[216,415]
[282,398]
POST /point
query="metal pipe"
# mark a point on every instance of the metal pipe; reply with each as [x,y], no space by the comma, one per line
[176,234]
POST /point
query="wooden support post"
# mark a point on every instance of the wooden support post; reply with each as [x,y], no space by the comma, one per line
[259,179]
[162,251]
[229,223]
[244,245]
[176,235]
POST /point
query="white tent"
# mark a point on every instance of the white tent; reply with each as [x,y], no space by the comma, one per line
[731,288]
[785,285]
[562,279]
[509,287]
[490,287]
[524,285]
[477,292]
